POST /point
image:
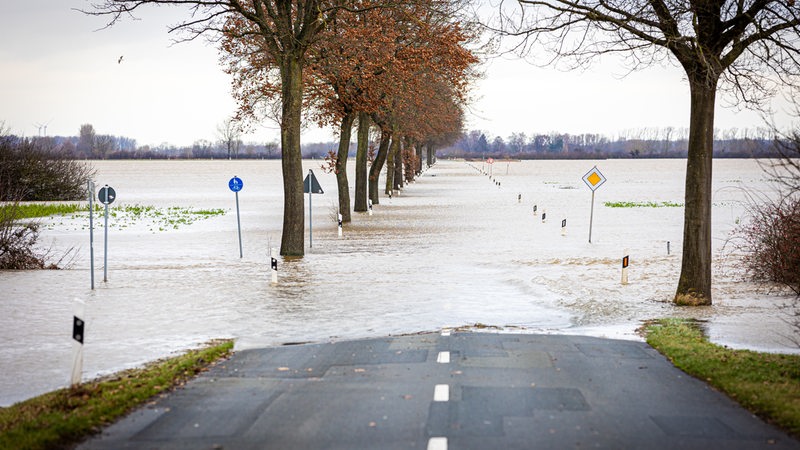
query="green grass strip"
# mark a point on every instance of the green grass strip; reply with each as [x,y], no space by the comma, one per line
[33,210]
[643,205]
[61,418]
[767,384]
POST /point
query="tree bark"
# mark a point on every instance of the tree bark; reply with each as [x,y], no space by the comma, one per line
[345,131]
[361,163]
[377,166]
[398,168]
[394,149]
[292,237]
[694,284]
[431,152]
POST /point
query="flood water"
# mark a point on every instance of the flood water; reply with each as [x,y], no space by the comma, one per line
[453,249]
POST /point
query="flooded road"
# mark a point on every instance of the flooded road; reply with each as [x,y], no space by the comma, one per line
[453,249]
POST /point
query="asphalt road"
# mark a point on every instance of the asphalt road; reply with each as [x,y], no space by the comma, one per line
[446,391]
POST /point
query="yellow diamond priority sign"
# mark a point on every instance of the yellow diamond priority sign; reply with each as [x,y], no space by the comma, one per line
[594,178]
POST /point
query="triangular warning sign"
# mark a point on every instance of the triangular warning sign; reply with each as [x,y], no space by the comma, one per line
[311,185]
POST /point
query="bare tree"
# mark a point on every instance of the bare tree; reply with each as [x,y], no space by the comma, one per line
[746,48]
[230,135]
[282,31]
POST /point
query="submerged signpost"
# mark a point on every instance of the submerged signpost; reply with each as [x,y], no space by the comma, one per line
[311,186]
[236,185]
[594,179]
[107,195]
[91,230]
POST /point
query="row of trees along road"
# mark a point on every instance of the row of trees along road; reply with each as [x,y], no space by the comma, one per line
[401,66]
[747,49]
[744,48]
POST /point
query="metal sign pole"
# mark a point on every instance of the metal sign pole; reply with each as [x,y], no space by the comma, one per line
[91,231]
[310,226]
[591,217]
[105,247]
[238,224]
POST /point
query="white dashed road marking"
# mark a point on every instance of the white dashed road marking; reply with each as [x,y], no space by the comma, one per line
[441,393]
[437,443]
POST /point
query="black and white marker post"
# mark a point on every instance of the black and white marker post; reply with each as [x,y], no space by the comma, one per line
[625,261]
[273,266]
[564,227]
[235,184]
[340,225]
[78,334]
[544,215]
[107,196]
[369,206]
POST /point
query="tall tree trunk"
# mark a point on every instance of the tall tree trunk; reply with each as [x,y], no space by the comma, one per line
[431,152]
[361,162]
[345,130]
[377,166]
[694,284]
[418,169]
[391,159]
[292,237]
[398,168]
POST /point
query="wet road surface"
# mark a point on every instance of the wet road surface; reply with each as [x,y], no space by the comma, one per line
[445,391]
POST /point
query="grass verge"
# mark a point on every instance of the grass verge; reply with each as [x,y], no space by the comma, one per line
[33,210]
[767,384]
[643,205]
[61,418]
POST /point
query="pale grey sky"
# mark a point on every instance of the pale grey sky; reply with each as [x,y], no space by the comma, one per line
[57,70]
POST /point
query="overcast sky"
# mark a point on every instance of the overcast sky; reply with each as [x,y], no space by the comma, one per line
[57,69]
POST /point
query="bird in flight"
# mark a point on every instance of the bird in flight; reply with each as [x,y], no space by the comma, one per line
[119,61]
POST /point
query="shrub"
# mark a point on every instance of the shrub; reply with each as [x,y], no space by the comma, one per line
[18,242]
[30,173]
[771,242]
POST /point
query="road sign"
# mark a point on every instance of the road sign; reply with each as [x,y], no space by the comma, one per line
[311,185]
[107,195]
[236,184]
[594,179]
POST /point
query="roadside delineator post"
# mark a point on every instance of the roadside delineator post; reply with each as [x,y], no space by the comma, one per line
[78,334]
[625,261]
[544,215]
[564,227]
[369,206]
[340,225]
[273,265]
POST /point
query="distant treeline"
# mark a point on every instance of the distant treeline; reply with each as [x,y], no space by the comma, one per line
[642,143]
[113,147]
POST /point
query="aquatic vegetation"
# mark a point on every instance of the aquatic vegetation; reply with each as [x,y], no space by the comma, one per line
[643,205]
[132,215]
[33,210]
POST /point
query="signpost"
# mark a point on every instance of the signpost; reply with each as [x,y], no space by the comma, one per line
[311,186]
[236,185]
[91,230]
[107,195]
[594,179]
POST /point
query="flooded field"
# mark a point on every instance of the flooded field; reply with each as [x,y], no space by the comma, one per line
[453,249]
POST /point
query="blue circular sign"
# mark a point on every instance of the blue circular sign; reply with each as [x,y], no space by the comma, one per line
[235,184]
